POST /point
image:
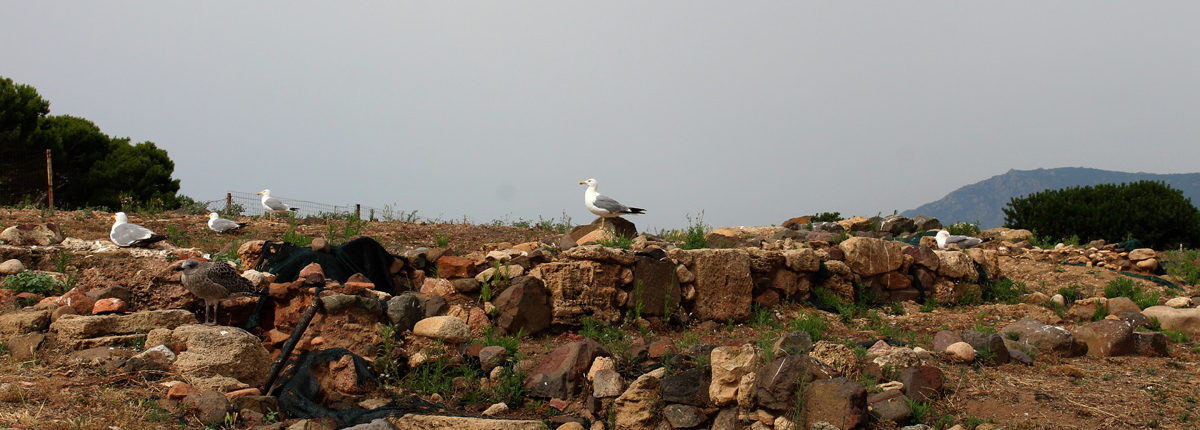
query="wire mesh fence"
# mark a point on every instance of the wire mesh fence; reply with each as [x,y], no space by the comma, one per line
[23,179]
[250,204]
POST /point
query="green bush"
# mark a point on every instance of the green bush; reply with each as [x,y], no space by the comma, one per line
[30,282]
[827,217]
[1151,211]
[1125,287]
[1183,263]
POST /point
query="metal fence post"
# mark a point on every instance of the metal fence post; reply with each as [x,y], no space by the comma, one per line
[49,181]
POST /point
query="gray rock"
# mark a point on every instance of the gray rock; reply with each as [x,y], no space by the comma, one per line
[209,407]
[726,419]
[359,305]
[1046,338]
[796,342]
[923,383]
[926,223]
[1150,344]
[607,383]
[683,416]
[1107,338]
[404,311]
[466,285]
[891,405]
[11,267]
[523,306]
[776,383]
[492,356]
[945,338]
[1020,356]
[1134,318]
[378,424]
[1186,320]
[827,227]
[689,387]
[559,372]
[433,304]
[113,292]
[992,342]
[896,224]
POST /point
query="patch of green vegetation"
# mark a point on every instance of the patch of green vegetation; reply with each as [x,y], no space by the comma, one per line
[1070,293]
[762,317]
[31,282]
[694,235]
[618,241]
[292,236]
[918,411]
[930,304]
[510,343]
[351,228]
[1182,263]
[1008,291]
[1177,336]
[971,295]
[1125,287]
[840,237]
[1100,312]
[440,240]
[827,217]
[964,229]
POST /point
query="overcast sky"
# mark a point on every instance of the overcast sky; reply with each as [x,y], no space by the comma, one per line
[754,112]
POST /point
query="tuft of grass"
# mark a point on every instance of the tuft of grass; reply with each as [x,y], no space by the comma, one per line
[1183,263]
[1008,291]
[694,235]
[964,229]
[761,317]
[1177,336]
[1070,293]
[918,411]
[619,241]
[1125,287]
[292,236]
[930,304]
[440,240]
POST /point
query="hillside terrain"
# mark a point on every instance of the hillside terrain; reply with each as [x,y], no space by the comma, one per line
[59,389]
[983,202]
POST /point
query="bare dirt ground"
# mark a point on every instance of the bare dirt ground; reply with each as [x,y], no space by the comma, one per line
[59,391]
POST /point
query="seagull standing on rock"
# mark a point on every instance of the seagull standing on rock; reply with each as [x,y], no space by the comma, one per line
[273,205]
[126,234]
[213,281]
[603,206]
[222,225]
[944,239]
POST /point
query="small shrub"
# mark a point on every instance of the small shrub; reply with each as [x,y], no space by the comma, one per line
[964,229]
[292,236]
[30,282]
[440,240]
[971,295]
[694,236]
[618,241]
[1008,291]
[1183,263]
[827,217]
[811,323]
[1012,335]
[1070,293]
[918,411]
[930,304]
[1125,287]
[761,317]
[1177,336]
[1100,312]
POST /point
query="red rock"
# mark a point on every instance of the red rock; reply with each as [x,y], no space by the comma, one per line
[559,404]
[77,300]
[477,319]
[111,305]
[658,348]
[450,266]
[312,274]
[282,291]
[276,337]
[60,311]
[357,288]
[317,341]
[181,390]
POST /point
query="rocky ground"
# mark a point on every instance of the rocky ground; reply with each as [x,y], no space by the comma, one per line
[58,388]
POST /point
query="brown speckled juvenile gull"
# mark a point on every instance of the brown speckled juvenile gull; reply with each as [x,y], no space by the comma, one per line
[213,281]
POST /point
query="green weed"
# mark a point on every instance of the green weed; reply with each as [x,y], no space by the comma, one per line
[619,241]
[31,282]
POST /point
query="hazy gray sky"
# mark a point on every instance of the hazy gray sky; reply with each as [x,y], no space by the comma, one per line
[753,112]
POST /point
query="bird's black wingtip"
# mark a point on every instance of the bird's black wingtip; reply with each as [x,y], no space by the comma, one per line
[637,211]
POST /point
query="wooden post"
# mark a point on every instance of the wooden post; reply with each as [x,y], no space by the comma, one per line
[228,202]
[49,181]
[358,211]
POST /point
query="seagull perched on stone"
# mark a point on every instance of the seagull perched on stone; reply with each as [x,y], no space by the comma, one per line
[603,206]
[944,239]
[213,281]
[125,234]
[273,205]
[222,225]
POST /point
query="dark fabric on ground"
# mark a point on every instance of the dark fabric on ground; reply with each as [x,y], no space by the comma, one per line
[297,390]
[363,255]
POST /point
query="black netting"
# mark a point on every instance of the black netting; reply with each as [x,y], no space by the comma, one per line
[298,390]
[363,255]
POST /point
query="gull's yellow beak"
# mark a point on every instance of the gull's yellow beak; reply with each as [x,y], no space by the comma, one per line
[583,183]
[259,193]
[112,217]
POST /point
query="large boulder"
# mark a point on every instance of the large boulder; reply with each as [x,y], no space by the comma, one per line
[524,305]
[31,235]
[689,387]
[560,372]
[723,283]
[1046,338]
[580,288]
[869,257]
[655,286]
[955,265]
[448,328]
[1107,338]
[28,320]
[634,409]
[1185,320]
[215,357]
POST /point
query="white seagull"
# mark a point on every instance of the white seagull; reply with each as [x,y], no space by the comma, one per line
[603,206]
[222,225]
[273,205]
[944,239]
[125,234]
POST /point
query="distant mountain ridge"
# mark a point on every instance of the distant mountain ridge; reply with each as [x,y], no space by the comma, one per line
[985,200]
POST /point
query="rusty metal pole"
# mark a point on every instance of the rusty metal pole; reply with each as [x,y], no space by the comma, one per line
[357,211]
[228,202]
[49,180]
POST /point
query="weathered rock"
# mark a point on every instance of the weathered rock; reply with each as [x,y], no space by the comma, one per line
[79,331]
[729,364]
[655,287]
[28,320]
[1020,356]
[110,292]
[689,387]
[109,306]
[448,328]
[897,358]
[11,267]
[926,223]
[221,358]
[1142,254]
[1185,320]
[502,272]
[838,401]
[1179,302]
[923,383]
[492,356]
[1150,344]
[992,342]
[607,383]
[77,300]
[24,347]
[723,283]
[870,257]
[558,373]
[466,285]
[891,405]
[31,234]
[633,408]
[777,381]
[896,224]
[600,254]
[802,260]
[581,288]
[837,356]
[439,287]
[841,281]
[404,311]
[955,265]
[1046,338]
[209,407]
[1107,338]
